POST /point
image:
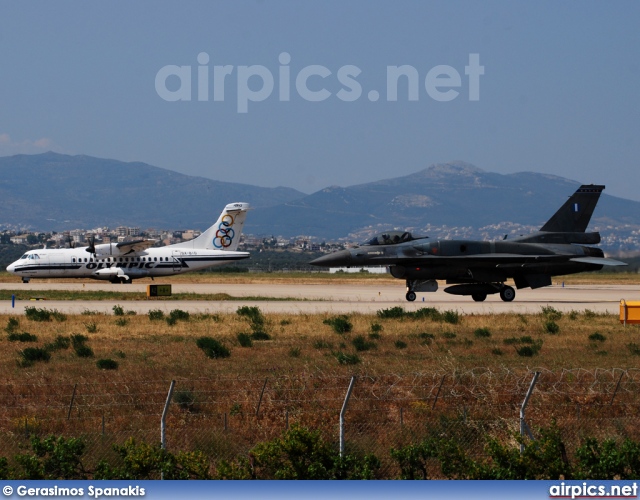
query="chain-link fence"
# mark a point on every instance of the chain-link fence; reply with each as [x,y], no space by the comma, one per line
[225,418]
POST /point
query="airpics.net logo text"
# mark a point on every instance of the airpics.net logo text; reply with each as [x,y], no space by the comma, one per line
[257,83]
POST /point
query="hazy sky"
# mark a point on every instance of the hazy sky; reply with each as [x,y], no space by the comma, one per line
[553,87]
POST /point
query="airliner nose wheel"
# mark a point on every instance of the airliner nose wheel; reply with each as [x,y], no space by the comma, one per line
[411,296]
[25,280]
[507,294]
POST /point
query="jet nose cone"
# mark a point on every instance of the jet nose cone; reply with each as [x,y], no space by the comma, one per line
[11,268]
[341,258]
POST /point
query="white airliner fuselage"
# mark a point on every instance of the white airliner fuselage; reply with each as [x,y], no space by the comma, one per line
[123,262]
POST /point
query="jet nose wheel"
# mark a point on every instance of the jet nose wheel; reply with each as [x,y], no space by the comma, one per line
[411,296]
[507,294]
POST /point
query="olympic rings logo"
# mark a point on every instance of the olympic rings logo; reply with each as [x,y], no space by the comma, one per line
[225,233]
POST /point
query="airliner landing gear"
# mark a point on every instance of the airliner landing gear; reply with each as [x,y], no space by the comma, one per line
[507,293]
[411,296]
[25,280]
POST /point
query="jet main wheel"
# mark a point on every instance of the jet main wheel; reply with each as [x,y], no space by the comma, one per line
[479,297]
[507,294]
[411,296]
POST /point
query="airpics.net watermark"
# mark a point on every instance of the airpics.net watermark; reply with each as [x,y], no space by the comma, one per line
[257,83]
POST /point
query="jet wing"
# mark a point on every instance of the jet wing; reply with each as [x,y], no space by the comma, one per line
[134,246]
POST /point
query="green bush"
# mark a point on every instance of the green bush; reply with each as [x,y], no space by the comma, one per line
[294,352]
[340,324]
[91,327]
[391,313]
[179,315]
[346,359]
[551,327]
[452,317]
[322,344]
[60,342]
[185,399]
[244,340]
[482,333]
[260,336]
[83,351]
[32,354]
[122,321]
[118,310]
[497,352]
[376,328]
[12,325]
[53,458]
[361,344]
[156,315]
[634,348]
[213,348]
[107,364]
[597,337]
[551,313]
[22,337]
[400,344]
[299,454]
[78,339]
[35,314]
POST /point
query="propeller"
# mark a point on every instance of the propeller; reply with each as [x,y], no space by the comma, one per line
[92,244]
[70,241]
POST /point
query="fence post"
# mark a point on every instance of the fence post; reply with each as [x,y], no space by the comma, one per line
[617,387]
[438,393]
[343,411]
[73,396]
[523,425]
[164,415]
[261,394]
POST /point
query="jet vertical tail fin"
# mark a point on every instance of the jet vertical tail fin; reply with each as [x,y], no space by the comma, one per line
[225,233]
[575,214]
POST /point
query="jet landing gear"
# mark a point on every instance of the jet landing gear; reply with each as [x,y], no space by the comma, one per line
[507,293]
[414,286]
[25,280]
[411,296]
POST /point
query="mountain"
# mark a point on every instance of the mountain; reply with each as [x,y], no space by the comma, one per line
[455,194]
[52,191]
[59,192]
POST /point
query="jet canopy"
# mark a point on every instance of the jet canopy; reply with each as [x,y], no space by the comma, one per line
[391,238]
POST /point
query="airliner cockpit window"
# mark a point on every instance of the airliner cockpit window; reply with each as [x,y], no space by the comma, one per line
[25,256]
[390,238]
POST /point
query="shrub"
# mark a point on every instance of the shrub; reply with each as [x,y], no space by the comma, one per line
[340,324]
[12,325]
[361,344]
[107,364]
[529,350]
[597,337]
[299,453]
[22,337]
[634,348]
[156,315]
[449,335]
[53,458]
[32,354]
[346,359]
[391,313]
[260,336]
[482,333]
[78,339]
[427,313]
[122,322]
[213,348]
[118,310]
[374,335]
[244,340]
[322,344]
[59,343]
[294,352]
[179,315]
[376,328]
[91,327]
[400,344]
[185,399]
[497,352]
[35,314]
[452,317]
[84,351]
[551,313]
[551,327]
[252,313]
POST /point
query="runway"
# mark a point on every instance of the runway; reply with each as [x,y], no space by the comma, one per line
[325,298]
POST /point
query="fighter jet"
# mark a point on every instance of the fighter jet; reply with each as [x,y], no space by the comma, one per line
[481,268]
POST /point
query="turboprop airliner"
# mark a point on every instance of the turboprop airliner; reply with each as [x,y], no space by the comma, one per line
[123,262]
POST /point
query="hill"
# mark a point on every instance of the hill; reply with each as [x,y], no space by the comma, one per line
[52,191]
